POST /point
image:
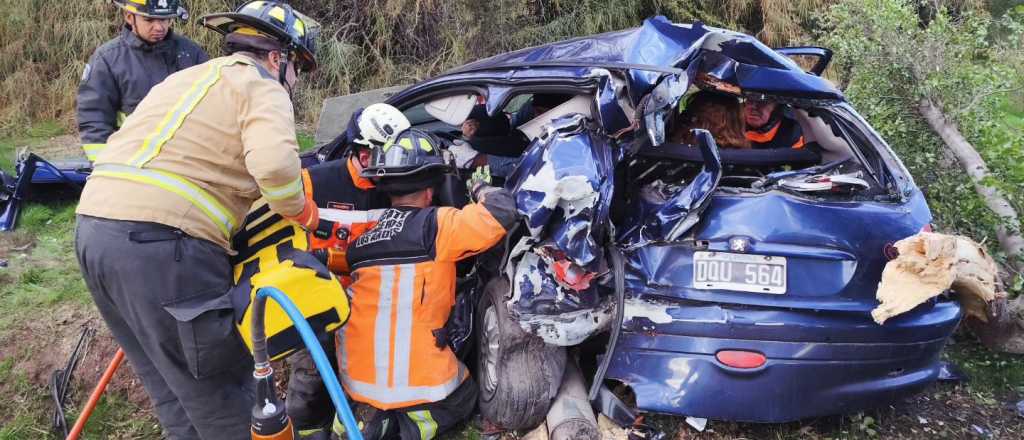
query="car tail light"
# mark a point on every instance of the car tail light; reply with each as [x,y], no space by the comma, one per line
[741,359]
[890,251]
[572,276]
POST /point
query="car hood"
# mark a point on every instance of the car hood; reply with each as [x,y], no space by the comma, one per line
[647,51]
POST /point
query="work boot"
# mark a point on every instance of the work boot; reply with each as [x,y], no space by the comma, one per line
[375,424]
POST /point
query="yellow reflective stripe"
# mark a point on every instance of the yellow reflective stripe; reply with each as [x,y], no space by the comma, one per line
[277,13]
[121,116]
[176,116]
[309,432]
[131,8]
[405,143]
[282,192]
[254,5]
[425,422]
[178,185]
[141,2]
[93,150]
[425,145]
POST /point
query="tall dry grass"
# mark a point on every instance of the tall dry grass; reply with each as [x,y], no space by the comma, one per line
[44,44]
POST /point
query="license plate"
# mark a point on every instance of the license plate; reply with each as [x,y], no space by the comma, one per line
[741,272]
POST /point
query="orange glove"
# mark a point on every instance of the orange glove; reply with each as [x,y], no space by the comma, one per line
[309,217]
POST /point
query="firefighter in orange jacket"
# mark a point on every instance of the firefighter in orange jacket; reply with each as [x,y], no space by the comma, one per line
[337,185]
[394,360]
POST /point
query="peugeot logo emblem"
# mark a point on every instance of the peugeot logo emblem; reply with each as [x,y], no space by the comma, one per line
[739,244]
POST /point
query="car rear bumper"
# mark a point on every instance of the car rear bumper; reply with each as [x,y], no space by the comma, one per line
[817,364]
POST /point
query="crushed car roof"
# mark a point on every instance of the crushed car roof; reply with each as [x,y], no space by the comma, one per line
[660,46]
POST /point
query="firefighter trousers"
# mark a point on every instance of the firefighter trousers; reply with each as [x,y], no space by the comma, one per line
[428,420]
[163,296]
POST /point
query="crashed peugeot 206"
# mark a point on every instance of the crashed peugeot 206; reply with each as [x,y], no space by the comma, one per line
[731,284]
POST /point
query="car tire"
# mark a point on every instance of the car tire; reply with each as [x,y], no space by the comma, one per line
[518,374]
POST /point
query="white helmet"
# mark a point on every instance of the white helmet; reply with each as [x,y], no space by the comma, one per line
[380,123]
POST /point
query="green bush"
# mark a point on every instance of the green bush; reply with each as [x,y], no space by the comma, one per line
[364,45]
[892,53]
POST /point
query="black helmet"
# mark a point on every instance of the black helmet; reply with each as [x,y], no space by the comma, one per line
[161,9]
[410,162]
[275,20]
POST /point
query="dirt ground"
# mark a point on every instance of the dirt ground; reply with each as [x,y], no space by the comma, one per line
[39,347]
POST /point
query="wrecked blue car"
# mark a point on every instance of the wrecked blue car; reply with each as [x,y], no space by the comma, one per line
[684,278]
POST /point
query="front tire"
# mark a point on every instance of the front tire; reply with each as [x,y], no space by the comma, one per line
[517,372]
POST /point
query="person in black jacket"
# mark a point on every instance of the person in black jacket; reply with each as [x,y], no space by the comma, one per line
[123,70]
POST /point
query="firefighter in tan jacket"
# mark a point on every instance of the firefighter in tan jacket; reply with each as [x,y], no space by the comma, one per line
[393,356]
[157,215]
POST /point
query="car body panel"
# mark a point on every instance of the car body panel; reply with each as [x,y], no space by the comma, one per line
[661,43]
[817,363]
[835,250]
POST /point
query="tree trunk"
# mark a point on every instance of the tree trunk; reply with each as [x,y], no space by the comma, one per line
[1005,332]
[1010,239]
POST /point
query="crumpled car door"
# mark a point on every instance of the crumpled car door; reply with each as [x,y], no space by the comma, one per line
[563,188]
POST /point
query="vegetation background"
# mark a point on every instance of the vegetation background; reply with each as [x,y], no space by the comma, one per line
[44,45]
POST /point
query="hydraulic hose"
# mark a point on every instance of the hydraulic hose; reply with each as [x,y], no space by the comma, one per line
[619,271]
[323,366]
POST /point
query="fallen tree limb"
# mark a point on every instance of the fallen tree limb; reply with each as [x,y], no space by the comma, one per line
[1008,231]
[931,264]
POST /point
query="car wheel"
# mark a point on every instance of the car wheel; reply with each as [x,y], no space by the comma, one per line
[518,373]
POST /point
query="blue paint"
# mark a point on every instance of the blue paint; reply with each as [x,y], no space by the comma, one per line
[818,363]
[572,150]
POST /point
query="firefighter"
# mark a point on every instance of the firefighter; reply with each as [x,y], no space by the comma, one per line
[394,357]
[158,213]
[770,125]
[337,184]
[123,70]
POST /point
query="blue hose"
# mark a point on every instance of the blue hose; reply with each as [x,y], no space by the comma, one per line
[323,366]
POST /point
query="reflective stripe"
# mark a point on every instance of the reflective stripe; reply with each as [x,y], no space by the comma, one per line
[121,116]
[382,327]
[403,330]
[390,395]
[93,150]
[311,432]
[277,13]
[178,185]
[176,116]
[425,422]
[285,191]
[765,136]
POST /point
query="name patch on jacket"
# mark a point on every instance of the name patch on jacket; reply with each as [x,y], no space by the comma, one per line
[390,224]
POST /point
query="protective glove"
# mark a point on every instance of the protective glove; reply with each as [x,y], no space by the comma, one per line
[308,218]
[479,183]
[482,175]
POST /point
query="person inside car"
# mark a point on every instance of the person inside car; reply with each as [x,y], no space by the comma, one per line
[715,112]
[497,136]
[770,125]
